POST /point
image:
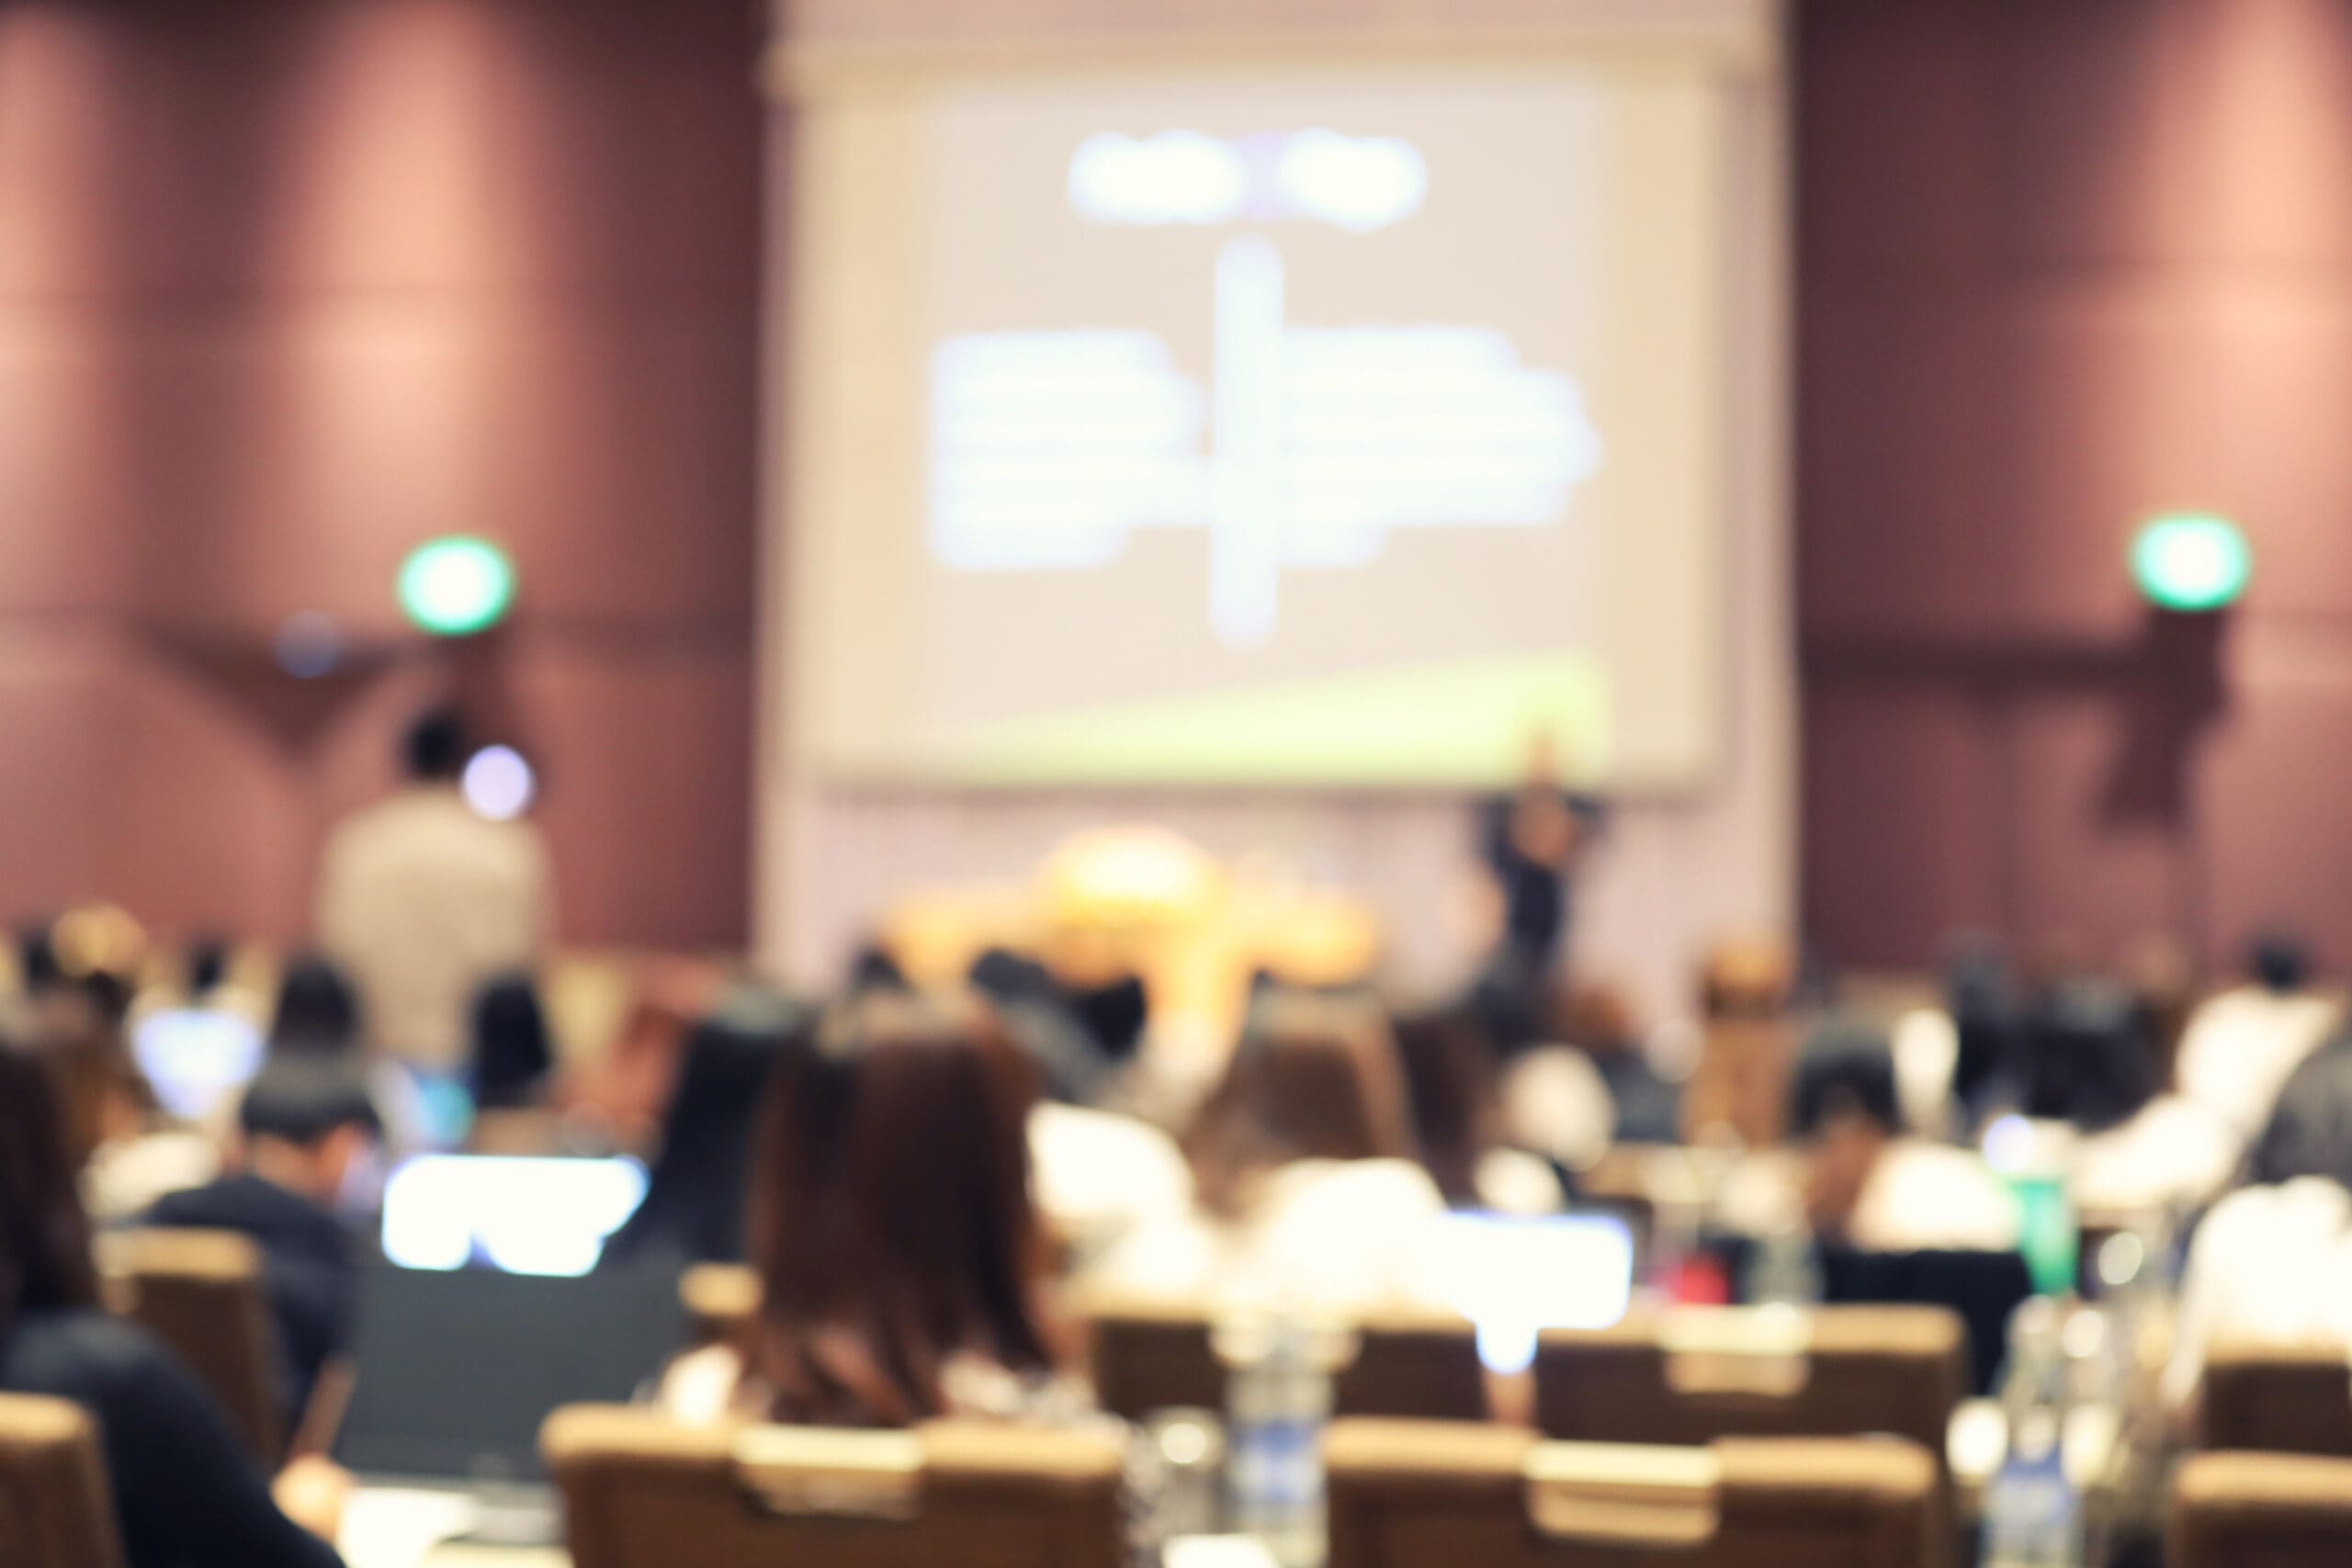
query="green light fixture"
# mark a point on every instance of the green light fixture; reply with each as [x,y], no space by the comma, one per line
[455,586]
[2191,561]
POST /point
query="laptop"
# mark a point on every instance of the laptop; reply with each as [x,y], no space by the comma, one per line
[1514,1276]
[460,1363]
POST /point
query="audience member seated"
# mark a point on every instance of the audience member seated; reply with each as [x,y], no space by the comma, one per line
[1101,1175]
[1748,1044]
[693,1210]
[892,1231]
[307,1145]
[185,1494]
[1555,1102]
[1309,1189]
[512,1059]
[1599,1021]
[317,1011]
[2086,1060]
[1982,996]
[2272,1263]
[1042,1021]
[2241,1046]
[1458,1119]
[1867,1184]
[318,1017]
[128,1152]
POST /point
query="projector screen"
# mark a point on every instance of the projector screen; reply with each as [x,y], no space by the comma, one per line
[1322,425]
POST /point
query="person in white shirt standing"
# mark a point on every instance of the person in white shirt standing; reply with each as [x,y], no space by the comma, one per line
[423,901]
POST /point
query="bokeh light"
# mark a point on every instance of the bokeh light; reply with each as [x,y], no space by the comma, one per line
[499,783]
[456,585]
[2191,561]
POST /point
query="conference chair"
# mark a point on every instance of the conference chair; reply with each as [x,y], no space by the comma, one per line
[1694,1375]
[56,1507]
[200,1293]
[1404,1492]
[642,1492]
[721,1300]
[1691,1375]
[1151,1356]
[2277,1399]
[2261,1510]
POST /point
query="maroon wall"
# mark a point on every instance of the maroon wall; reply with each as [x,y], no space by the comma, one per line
[285,288]
[2063,266]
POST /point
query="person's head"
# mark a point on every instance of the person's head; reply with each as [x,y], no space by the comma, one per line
[1747,976]
[873,968]
[44,1235]
[890,1219]
[207,965]
[511,1053]
[1597,1018]
[1842,1111]
[306,1124]
[693,1210]
[2310,1130]
[36,959]
[2278,963]
[1450,1080]
[1314,1077]
[434,750]
[318,1010]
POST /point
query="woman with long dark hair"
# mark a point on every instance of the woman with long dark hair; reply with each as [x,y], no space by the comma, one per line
[185,1495]
[891,1225]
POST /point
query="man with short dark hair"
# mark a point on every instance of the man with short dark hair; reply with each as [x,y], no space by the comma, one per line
[308,1131]
[422,901]
[1867,1185]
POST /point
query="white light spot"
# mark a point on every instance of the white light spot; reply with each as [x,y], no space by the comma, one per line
[499,783]
[1357,182]
[1178,177]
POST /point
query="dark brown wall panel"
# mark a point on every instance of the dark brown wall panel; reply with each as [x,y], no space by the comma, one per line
[2062,267]
[286,288]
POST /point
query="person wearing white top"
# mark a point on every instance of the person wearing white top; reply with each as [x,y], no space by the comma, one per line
[1309,1195]
[2241,1046]
[1869,1187]
[423,901]
[2272,1263]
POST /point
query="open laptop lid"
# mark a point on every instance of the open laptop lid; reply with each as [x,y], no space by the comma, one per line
[458,1370]
[1514,1277]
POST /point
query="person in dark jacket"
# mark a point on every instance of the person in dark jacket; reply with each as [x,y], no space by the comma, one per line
[307,1129]
[185,1494]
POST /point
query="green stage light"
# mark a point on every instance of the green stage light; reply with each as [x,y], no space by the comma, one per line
[455,586]
[2192,561]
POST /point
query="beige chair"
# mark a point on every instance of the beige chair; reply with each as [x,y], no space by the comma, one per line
[1404,1492]
[1149,1356]
[2277,1399]
[641,1491]
[1691,1376]
[56,1509]
[200,1293]
[721,1300]
[2261,1510]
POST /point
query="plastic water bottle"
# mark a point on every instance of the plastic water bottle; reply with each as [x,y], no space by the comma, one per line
[1782,1270]
[2033,1512]
[1278,1399]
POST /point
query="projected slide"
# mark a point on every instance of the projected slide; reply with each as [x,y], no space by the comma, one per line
[1335,427]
